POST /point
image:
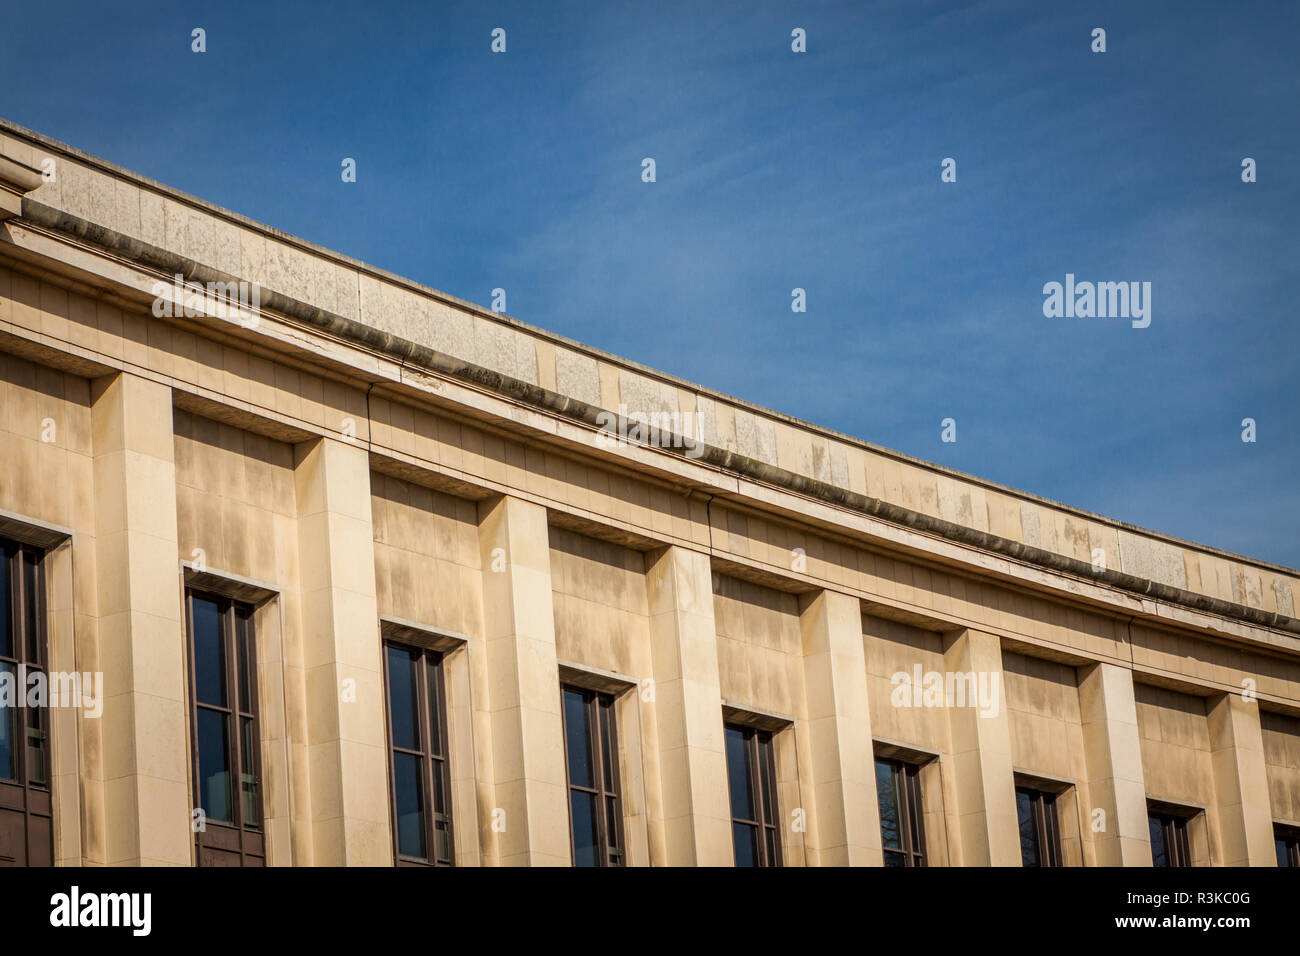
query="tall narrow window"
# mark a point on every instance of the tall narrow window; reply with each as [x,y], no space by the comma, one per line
[26,817]
[898,790]
[227,748]
[751,776]
[1040,835]
[591,752]
[1169,846]
[1286,842]
[417,751]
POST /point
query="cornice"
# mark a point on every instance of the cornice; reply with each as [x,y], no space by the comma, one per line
[413,354]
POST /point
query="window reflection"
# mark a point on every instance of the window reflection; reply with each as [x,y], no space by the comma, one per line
[417,743]
[591,757]
[898,794]
[751,779]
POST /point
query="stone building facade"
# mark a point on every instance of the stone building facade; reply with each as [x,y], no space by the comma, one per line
[353,572]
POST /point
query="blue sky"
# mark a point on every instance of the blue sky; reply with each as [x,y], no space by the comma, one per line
[778,170]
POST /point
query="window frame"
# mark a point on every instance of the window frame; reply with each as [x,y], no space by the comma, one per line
[439,763]
[1289,837]
[760,757]
[1178,850]
[239,836]
[1047,826]
[29,653]
[602,743]
[911,810]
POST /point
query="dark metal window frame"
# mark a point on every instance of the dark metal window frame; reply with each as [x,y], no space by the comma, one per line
[29,653]
[602,744]
[1289,837]
[429,694]
[247,838]
[1047,827]
[1173,833]
[905,778]
[760,774]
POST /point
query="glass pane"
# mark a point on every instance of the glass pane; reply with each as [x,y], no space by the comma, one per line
[773,858]
[914,809]
[8,721]
[583,808]
[214,765]
[435,704]
[439,789]
[767,779]
[252,804]
[739,776]
[1279,847]
[37,771]
[611,828]
[577,740]
[895,858]
[606,743]
[209,653]
[888,799]
[1158,855]
[1051,852]
[1028,832]
[441,812]
[245,662]
[746,839]
[31,607]
[408,793]
[442,836]
[6,645]
[403,697]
